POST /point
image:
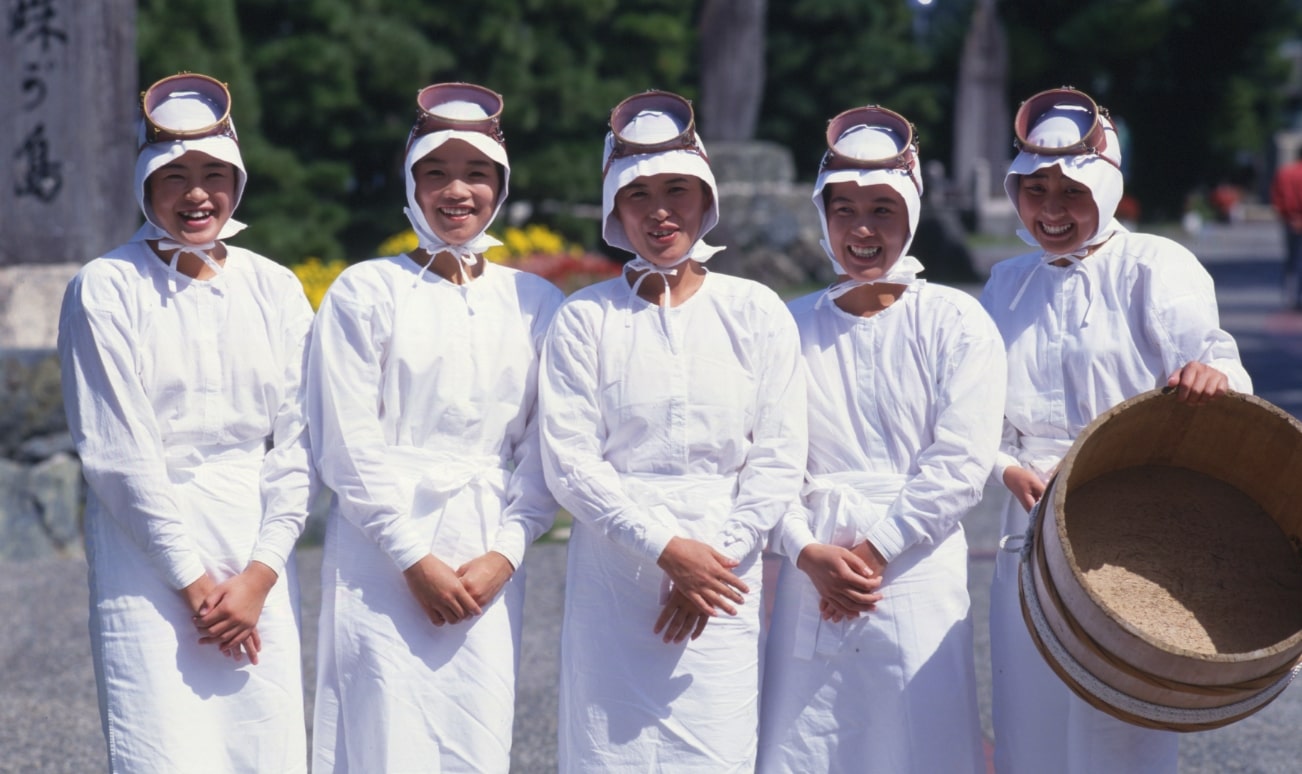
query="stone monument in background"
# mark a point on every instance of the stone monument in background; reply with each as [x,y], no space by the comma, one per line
[766,219]
[983,125]
[68,91]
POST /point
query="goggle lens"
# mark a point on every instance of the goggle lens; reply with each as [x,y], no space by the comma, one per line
[213,90]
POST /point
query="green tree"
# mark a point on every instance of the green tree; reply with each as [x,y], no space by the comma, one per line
[826,56]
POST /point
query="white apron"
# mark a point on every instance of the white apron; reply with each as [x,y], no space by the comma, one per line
[630,701]
[374,636]
[182,719]
[822,708]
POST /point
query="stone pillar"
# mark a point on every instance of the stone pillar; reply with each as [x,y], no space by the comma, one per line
[68,88]
[766,219]
[983,125]
[68,105]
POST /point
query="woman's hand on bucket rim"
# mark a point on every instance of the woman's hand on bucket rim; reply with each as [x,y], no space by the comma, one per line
[1198,383]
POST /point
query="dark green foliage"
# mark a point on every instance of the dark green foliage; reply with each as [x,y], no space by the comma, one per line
[825,56]
[1196,81]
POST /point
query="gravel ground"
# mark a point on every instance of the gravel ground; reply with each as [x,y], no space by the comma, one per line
[49,721]
[49,718]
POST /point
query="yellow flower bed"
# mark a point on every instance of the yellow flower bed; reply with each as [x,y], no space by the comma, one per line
[401,242]
[316,276]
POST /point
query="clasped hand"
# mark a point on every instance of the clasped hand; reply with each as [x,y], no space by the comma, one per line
[451,596]
[226,614]
[847,579]
[703,584]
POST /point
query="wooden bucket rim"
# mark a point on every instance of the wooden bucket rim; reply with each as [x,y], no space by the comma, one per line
[1059,495]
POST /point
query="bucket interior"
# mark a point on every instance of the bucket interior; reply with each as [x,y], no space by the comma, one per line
[1184,524]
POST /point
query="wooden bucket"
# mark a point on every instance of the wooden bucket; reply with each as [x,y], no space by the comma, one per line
[1162,574]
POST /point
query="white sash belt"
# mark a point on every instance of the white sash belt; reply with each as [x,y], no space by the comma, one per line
[843,507]
[433,479]
[697,503]
[1042,455]
[182,458]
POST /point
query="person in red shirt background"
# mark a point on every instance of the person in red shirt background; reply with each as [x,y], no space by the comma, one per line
[1286,197]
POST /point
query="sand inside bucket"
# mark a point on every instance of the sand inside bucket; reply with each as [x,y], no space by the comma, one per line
[1187,559]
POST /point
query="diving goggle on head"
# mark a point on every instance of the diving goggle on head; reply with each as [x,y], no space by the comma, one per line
[677,108]
[1093,141]
[435,114]
[168,125]
[905,159]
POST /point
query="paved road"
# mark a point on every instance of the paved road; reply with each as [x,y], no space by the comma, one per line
[48,716]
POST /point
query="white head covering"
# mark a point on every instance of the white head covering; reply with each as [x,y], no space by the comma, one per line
[1059,127]
[649,127]
[185,110]
[873,142]
[423,146]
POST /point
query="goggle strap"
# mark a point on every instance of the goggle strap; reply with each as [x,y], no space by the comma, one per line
[625,150]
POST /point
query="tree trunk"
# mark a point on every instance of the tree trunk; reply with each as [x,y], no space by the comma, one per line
[732,68]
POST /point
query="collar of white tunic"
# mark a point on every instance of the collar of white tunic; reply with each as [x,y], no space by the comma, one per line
[905,271]
[1076,262]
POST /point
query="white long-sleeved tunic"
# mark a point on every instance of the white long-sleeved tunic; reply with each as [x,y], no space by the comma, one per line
[184,398]
[422,402]
[664,422]
[904,421]
[1081,339]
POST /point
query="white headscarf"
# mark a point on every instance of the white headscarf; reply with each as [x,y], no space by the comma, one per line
[649,127]
[185,110]
[1060,127]
[468,252]
[872,142]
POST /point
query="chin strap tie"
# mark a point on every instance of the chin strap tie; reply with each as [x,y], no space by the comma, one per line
[905,271]
[467,254]
[200,251]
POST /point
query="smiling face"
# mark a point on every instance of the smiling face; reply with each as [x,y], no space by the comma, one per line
[457,188]
[1058,211]
[192,197]
[867,227]
[662,215]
